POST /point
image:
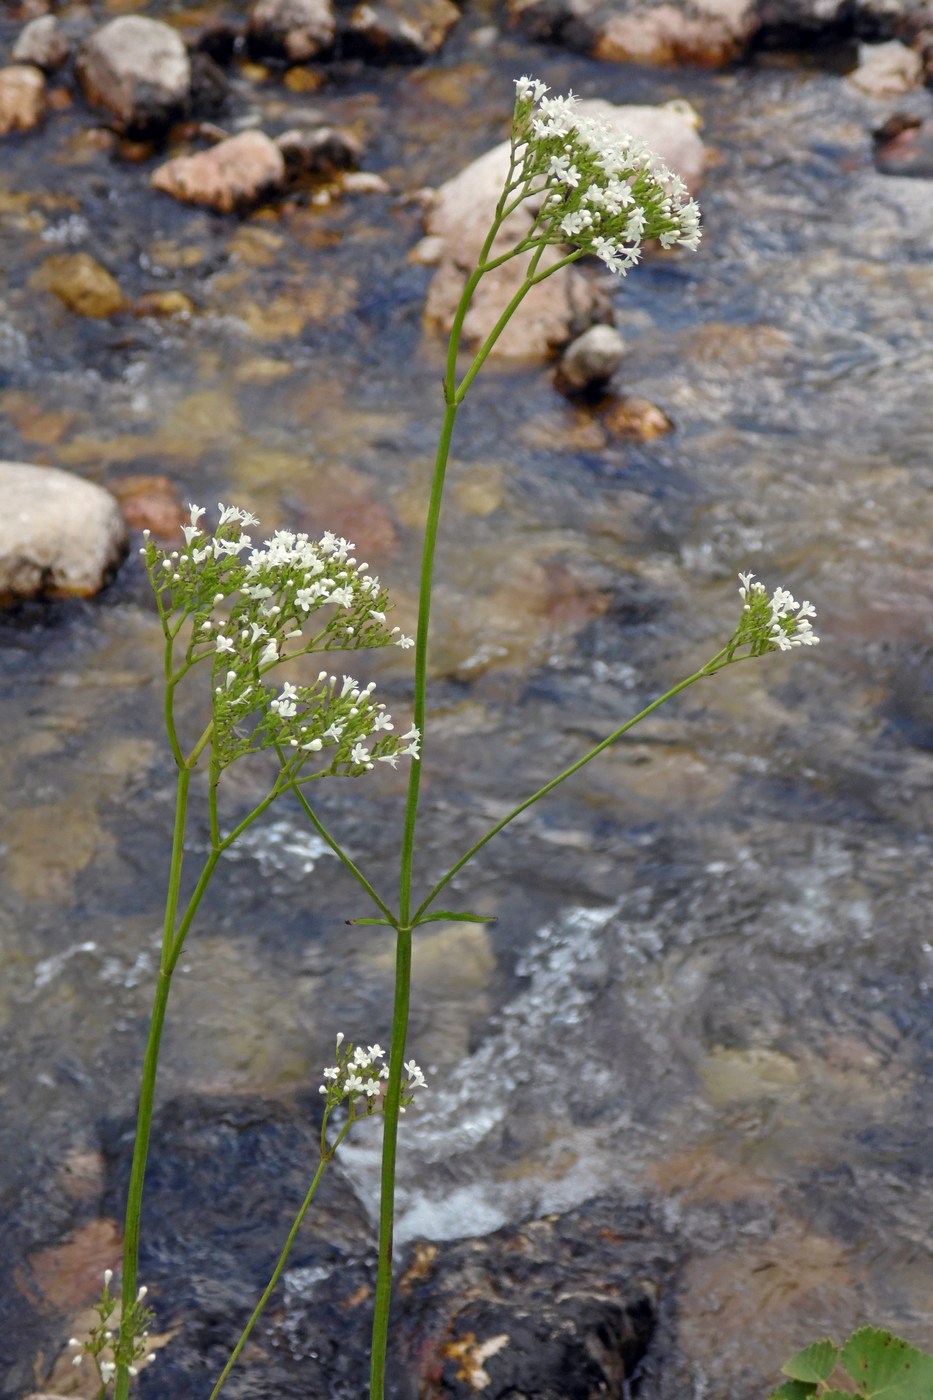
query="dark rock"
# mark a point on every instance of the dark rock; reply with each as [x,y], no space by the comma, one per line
[139,71]
[322,150]
[218,40]
[562,1308]
[904,146]
[210,87]
[690,31]
[43,44]
[400,31]
[295,30]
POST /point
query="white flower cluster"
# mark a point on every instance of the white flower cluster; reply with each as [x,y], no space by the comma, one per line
[603,195]
[103,1342]
[775,623]
[251,609]
[358,1077]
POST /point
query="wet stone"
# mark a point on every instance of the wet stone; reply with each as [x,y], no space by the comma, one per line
[887,70]
[43,44]
[138,70]
[319,151]
[636,418]
[401,30]
[59,536]
[151,503]
[234,174]
[295,30]
[22,98]
[591,360]
[561,1308]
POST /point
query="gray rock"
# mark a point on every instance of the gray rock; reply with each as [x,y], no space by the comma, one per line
[60,536]
[404,31]
[591,360]
[138,70]
[295,30]
[42,43]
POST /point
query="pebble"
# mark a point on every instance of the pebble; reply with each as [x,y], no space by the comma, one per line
[60,536]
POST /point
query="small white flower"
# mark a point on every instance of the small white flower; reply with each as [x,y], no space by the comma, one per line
[224,644]
[404,642]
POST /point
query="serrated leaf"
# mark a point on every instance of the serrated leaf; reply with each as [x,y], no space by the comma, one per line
[814,1363]
[887,1367]
[794,1390]
[447,915]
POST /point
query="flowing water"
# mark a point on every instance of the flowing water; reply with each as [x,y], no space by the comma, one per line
[709,978]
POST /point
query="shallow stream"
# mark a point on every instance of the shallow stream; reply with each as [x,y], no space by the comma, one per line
[710,979]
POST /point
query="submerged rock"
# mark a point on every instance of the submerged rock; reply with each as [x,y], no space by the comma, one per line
[42,43]
[81,283]
[405,31]
[138,70]
[232,175]
[59,536]
[295,30]
[22,98]
[565,304]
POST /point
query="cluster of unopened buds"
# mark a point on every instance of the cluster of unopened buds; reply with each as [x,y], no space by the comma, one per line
[602,194]
[101,1342]
[359,1075]
[773,623]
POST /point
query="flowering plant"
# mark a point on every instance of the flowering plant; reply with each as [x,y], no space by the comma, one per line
[248,611]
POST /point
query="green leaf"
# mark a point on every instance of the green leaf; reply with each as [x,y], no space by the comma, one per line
[448,916]
[794,1390]
[384,922]
[886,1366]
[814,1363]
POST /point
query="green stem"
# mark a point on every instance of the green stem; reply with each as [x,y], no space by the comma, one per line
[326,1156]
[383,1298]
[709,669]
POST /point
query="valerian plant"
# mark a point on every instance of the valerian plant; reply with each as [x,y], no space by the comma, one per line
[241,614]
